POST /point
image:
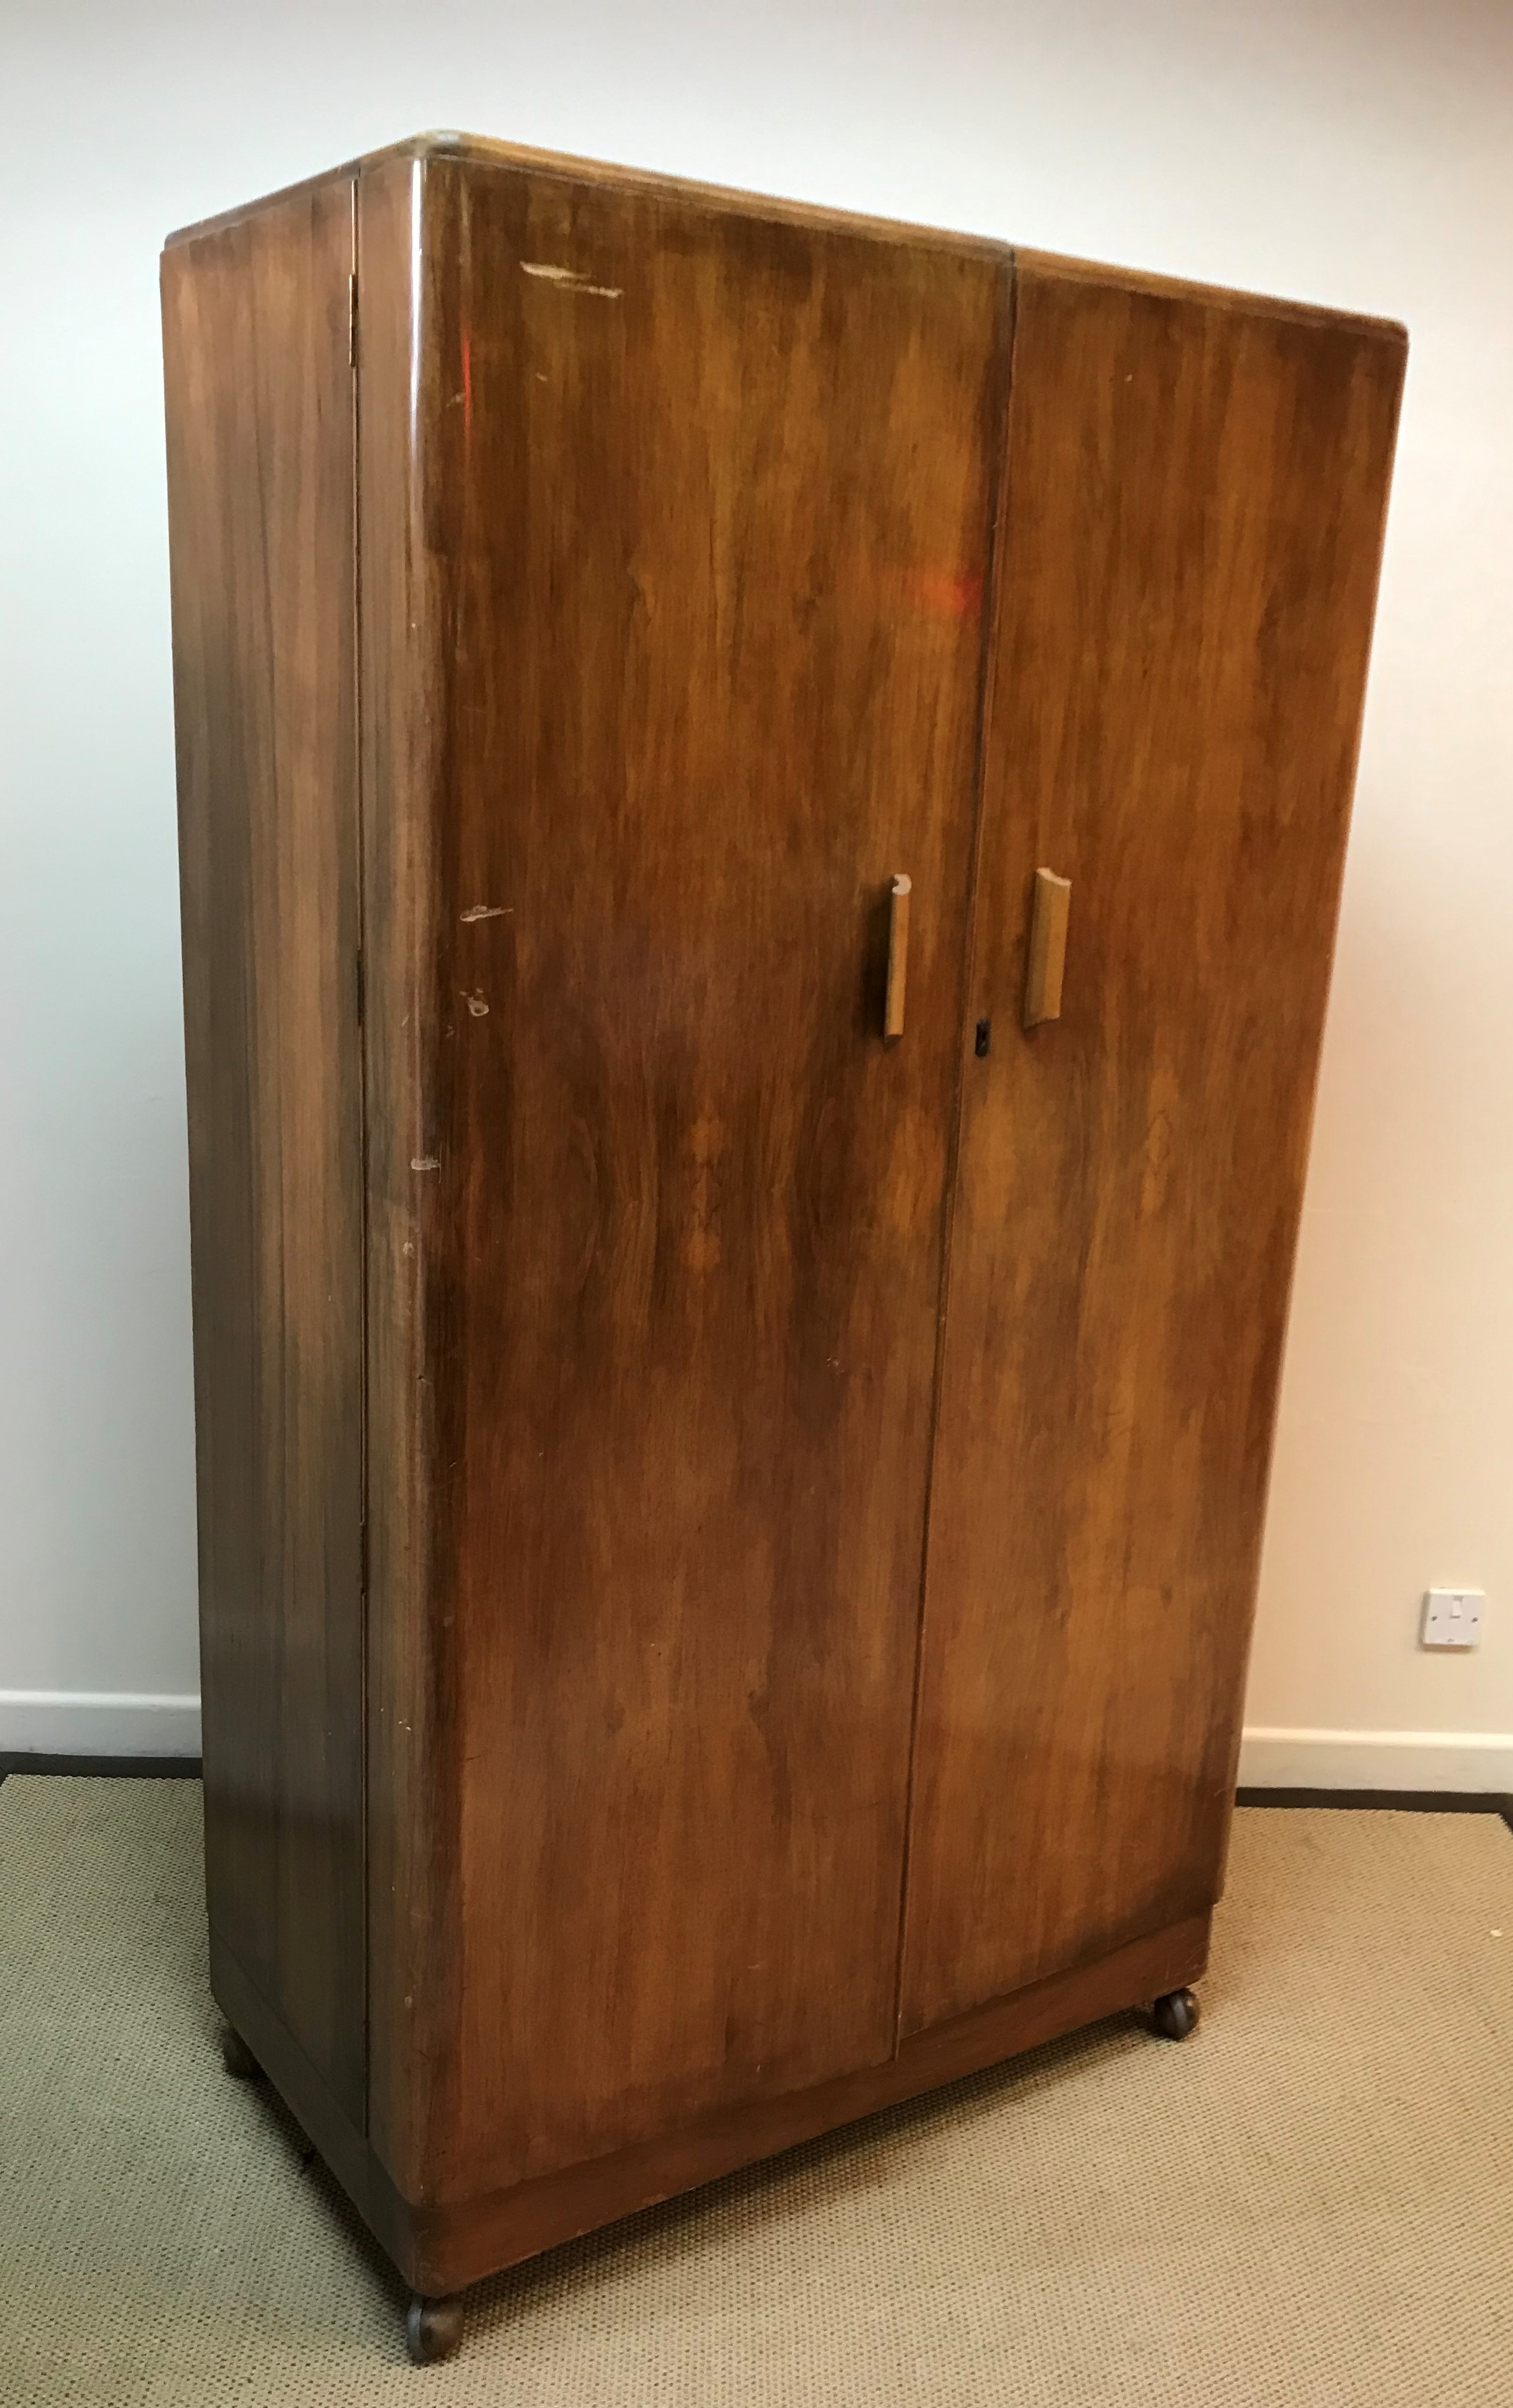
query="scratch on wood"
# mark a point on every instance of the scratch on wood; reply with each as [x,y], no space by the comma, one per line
[571,280]
[424,1162]
[488,912]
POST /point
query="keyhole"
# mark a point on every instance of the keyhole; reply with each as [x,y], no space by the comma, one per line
[985,1037]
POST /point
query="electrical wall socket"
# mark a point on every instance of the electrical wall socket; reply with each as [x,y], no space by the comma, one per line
[1452,1617]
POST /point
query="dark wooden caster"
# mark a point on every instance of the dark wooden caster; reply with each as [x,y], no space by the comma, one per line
[237,2058]
[1175,2015]
[433,2329]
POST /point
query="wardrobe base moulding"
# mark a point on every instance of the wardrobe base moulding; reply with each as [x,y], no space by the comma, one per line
[441,2248]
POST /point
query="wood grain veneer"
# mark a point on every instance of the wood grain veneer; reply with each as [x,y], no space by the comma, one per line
[260,457]
[1193,526]
[691,667]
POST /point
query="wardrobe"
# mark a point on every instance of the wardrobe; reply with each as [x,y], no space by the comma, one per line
[762,799]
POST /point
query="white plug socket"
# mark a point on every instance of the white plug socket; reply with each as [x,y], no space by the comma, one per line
[1452,1617]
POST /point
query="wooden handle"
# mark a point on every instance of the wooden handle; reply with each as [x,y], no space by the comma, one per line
[897,957]
[1048,948]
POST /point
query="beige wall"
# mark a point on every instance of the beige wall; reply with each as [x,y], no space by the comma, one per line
[1353,151]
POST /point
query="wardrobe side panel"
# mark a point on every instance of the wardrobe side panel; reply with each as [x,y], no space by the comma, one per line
[1195,494]
[706,503]
[260,433]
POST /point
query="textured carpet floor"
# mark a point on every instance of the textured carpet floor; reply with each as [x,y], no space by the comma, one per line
[1309,2202]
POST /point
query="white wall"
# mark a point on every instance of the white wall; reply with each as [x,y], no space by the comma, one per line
[1356,154]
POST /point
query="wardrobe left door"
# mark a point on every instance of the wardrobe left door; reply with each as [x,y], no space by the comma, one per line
[699,517]
[260,427]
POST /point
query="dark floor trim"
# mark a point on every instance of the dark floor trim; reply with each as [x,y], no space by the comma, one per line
[112,1768]
[1379,1801]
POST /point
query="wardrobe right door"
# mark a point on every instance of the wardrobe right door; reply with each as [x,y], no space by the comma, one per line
[1187,571]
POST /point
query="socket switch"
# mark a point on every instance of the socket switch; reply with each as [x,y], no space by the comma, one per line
[1452,1617]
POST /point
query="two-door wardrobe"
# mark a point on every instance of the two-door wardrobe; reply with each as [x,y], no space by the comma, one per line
[762,802]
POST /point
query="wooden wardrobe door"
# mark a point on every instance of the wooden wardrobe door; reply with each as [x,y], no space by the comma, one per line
[706,504]
[1195,495]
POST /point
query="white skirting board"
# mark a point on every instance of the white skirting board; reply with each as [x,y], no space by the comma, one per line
[75,1722]
[81,1722]
[1474,1763]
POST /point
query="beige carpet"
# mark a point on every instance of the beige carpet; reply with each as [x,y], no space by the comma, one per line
[1311,2202]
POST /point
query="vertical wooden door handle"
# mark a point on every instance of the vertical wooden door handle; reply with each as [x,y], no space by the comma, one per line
[898,956]
[1048,948]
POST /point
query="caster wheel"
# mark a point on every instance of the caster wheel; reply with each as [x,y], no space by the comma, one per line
[1175,2015]
[433,2329]
[237,2058]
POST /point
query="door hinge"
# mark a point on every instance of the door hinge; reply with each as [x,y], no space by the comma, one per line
[351,320]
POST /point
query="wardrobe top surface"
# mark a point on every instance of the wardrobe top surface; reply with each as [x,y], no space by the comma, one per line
[477,150]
